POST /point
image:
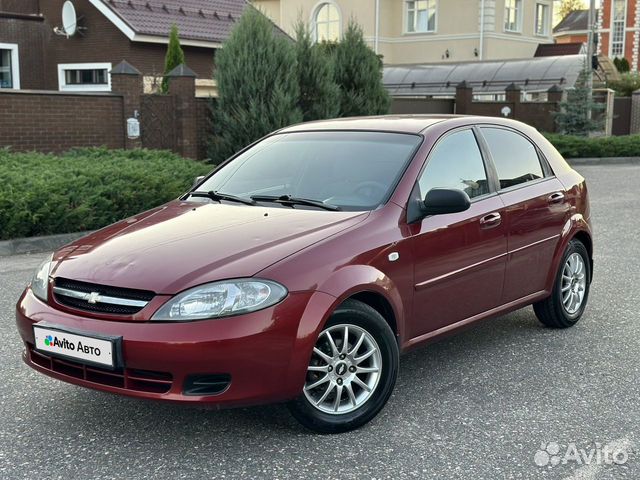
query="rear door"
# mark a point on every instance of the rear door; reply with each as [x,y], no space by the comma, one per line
[536,209]
[459,257]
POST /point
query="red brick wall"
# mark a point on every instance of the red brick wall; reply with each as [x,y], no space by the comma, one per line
[28,35]
[56,122]
[606,24]
[19,6]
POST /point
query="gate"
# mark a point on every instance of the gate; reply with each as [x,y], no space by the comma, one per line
[621,116]
[158,122]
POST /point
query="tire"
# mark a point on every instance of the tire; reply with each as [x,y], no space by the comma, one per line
[557,311]
[367,330]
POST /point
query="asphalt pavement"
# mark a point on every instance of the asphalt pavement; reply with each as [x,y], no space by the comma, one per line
[507,398]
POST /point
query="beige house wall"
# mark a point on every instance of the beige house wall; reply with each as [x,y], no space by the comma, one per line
[457,28]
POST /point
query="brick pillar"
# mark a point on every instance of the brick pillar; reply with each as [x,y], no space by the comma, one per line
[464,98]
[182,85]
[635,113]
[555,94]
[512,95]
[126,80]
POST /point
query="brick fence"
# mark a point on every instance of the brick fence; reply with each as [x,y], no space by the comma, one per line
[48,121]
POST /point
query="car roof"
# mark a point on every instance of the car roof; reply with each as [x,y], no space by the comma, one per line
[392,123]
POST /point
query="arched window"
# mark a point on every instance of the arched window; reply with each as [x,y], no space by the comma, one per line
[327,23]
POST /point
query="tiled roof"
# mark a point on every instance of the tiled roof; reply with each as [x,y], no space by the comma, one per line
[555,49]
[576,20]
[204,20]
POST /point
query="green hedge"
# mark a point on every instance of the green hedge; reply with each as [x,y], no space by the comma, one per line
[581,147]
[86,189]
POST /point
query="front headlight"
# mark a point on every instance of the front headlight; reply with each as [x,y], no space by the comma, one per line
[221,299]
[40,280]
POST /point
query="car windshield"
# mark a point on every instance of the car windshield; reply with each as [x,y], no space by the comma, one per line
[346,169]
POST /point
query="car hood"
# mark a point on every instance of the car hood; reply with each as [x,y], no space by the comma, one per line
[183,244]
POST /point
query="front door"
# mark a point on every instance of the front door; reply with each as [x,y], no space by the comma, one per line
[459,257]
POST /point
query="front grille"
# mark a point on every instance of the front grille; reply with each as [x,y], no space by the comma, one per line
[127,378]
[122,295]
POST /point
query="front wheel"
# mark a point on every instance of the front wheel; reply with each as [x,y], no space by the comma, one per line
[351,373]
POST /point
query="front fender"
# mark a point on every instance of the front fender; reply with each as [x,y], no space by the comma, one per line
[329,295]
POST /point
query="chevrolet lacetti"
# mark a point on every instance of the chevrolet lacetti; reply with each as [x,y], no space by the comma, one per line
[301,268]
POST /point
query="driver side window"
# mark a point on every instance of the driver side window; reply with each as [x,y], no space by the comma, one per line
[456,162]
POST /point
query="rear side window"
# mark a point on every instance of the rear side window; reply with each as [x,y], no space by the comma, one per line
[456,162]
[515,157]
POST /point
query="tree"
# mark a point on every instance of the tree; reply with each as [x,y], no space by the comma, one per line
[258,88]
[568,6]
[358,73]
[174,57]
[573,117]
[621,64]
[319,94]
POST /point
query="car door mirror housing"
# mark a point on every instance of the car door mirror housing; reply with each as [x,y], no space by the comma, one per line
[439,201]
[197,180]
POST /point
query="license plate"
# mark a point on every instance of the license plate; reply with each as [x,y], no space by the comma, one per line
[75,346]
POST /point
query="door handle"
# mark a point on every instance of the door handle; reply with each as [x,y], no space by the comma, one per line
[557,197]
[491,220]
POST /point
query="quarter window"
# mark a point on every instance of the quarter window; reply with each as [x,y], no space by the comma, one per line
[513,15]
[421,15]
[456,162]
[327,23]
[515,157]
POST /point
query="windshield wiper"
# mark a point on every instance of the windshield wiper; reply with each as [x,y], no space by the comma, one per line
[289,200]
[217,196]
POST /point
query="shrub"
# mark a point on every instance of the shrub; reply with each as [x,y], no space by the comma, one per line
[86,189]
[174,57]
[358,73]
[628,83]
[580,147]
[257,85]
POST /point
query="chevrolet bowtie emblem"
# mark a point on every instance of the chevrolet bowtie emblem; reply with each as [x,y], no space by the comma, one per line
[93,297]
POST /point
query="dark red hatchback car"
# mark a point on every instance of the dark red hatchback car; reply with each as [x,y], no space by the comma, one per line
[299,269]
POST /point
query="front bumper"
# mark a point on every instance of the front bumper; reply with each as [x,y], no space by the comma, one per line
[263,354]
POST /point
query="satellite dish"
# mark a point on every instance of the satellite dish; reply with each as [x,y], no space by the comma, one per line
[69,19]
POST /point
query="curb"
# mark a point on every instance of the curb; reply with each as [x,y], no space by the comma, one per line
[37,244]
[603,161]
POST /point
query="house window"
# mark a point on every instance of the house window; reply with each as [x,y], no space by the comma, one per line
[542,19]
[9,66]
[618,19]
[327,23]
[421,16]
[513,15]
[87,77]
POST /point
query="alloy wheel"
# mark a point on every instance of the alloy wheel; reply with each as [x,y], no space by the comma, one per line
[344,369]
[574,283]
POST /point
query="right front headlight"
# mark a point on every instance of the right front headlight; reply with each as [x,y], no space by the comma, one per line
[221,299]
[40,280]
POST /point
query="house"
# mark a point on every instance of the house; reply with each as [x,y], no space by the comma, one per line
[574,28]
[36,53]
[619,30]
[426,31]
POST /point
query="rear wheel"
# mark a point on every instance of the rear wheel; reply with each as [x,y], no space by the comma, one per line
[570,293]
[351,373]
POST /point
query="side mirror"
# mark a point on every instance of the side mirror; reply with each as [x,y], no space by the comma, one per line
[198,179]
[445,200]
